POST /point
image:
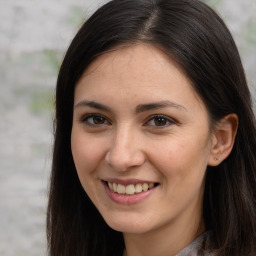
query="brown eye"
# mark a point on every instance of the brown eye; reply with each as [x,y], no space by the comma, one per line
[160,121]
[95,120]
[98,120]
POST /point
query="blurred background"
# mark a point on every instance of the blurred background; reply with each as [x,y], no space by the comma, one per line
[34,35]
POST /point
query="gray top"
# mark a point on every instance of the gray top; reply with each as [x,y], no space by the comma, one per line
[196,247]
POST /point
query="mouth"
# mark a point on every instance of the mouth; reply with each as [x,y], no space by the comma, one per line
[130,189]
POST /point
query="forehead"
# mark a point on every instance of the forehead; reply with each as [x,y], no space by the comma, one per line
[139,59]
[141,71]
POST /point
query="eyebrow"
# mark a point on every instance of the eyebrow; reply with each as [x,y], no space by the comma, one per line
[158,105]
[92,104]
[140,108]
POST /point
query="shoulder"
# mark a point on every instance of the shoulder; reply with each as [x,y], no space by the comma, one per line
[197,247]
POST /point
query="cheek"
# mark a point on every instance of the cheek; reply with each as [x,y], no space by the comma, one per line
[87,153]
[182,167]
[180,158]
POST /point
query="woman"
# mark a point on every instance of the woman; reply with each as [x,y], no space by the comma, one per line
[154,150]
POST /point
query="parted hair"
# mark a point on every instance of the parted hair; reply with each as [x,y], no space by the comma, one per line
[198,40]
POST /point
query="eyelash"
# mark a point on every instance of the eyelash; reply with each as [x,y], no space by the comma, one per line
[168,121]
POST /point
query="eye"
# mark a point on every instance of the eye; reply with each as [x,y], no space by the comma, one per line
[94,120]
[160,121]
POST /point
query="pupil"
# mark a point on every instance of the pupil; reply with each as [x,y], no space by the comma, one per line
[160,121]
[98,120]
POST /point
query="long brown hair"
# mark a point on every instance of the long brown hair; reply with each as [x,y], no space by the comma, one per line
[196,37]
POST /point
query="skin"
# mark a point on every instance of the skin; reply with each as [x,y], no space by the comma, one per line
[127,142]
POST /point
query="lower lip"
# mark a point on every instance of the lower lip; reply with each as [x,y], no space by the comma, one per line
[128,199]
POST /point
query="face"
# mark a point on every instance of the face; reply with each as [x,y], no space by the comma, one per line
[140,140]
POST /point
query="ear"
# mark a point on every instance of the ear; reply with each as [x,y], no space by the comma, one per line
[223,139]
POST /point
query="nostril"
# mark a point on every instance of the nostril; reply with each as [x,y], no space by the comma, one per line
[124,155]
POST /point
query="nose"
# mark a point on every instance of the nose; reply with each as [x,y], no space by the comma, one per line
[125,151]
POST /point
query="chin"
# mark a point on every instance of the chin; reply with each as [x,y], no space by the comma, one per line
[129,229]
[126,225]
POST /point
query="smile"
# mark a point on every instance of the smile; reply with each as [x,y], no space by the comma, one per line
[130,189]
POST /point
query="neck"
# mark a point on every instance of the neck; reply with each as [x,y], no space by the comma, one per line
[168,240]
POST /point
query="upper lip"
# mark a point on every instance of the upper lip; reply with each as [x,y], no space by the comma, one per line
[126,182]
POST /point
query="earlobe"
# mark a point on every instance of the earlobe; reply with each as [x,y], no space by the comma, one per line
[223,139]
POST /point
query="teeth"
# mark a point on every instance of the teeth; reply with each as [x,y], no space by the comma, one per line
[145,186]
[138,188]
[114,187]
[130,189]
[120,189]
[110,185]
[150,185]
